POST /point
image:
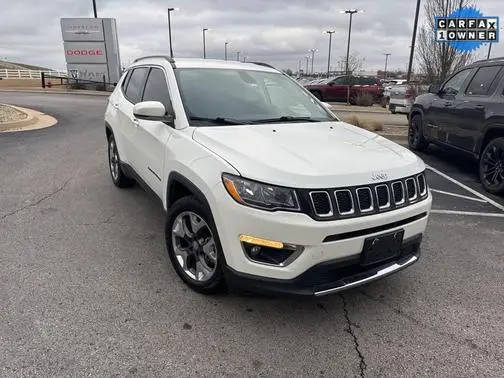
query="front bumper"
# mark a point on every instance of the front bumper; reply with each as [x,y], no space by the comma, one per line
[323,241]
[328,277]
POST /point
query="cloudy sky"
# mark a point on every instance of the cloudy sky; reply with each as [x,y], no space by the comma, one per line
[275,31]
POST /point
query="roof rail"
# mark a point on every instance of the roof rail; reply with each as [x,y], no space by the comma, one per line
[169,59]
[263,64]
[490,60]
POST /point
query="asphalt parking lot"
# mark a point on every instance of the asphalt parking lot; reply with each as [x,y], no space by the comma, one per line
[87,287]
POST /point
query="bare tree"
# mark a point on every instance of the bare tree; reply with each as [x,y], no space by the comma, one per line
[438,60]
[355,62]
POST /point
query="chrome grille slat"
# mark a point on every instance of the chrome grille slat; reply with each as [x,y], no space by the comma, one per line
[377,191]
[315,204]
[422,184]
[411,190]
[338,200]
[402,200]
[360,200]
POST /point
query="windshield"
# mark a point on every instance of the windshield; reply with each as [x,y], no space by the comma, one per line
[229,96]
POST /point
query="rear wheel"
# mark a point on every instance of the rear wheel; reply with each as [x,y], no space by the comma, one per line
[118,177]
[416,140]
[491,167]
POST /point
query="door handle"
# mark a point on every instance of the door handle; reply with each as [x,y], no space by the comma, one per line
[115,105]
[448,104]
[479,106]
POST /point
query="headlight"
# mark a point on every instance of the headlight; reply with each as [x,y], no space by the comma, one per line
[256,194]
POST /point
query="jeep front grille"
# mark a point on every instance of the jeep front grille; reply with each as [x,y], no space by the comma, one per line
[327,204]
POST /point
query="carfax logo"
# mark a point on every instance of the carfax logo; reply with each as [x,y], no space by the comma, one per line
[466,29]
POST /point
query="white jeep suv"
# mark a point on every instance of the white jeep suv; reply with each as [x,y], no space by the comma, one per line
[265,189]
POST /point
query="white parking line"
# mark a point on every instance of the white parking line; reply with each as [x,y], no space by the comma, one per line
[476,193]
[456,212]
[457,195]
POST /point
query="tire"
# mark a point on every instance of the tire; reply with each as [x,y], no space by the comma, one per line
[416,140]
[318,95]
[119,178]
[392,108]
[491,166]
[190,230]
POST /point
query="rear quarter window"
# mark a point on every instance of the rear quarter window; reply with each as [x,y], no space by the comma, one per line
[482,81]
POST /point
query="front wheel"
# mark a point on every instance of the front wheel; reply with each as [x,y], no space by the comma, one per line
[194,247]
[416,140]
[491,166]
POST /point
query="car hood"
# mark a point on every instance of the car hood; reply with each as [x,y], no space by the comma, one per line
[309,155]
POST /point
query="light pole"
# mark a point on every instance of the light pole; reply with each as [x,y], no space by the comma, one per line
[225,50]
[330,32]
[169,29]
[351,12]
[204,42]
[413,39]
[386,61]
[307,61]
[245,58]
[94,9]
[238,56]
[312,58]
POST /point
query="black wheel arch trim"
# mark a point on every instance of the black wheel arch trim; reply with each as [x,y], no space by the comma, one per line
[490,128]
[176,177]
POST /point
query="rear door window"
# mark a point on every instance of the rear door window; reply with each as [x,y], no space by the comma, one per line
[482,81]
[136,84]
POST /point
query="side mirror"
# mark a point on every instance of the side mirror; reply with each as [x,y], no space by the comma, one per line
[331,83]
[152,111]
[434,88]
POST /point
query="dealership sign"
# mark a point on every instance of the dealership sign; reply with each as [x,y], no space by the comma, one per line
[466,29]
[91,48]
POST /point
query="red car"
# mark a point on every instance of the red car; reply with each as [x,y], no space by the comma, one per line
[336,89]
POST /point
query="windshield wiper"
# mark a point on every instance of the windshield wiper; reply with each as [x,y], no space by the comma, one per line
[219,120]
[285,119]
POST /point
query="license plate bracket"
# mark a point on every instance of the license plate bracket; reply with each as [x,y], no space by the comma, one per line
[382,247]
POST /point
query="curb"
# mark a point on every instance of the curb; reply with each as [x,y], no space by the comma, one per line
[54,92]
[29,120]
[35,120]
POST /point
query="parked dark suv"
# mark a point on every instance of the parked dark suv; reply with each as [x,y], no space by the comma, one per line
[467,113]
[336,89]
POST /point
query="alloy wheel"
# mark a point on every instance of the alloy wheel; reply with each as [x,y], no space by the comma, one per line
[194,246]
[493,165]
[113,159]
[413,133]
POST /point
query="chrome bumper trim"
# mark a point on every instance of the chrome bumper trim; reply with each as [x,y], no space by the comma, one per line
[380,274]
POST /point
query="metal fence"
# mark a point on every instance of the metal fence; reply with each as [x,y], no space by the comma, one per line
[49,81]
[28,74]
